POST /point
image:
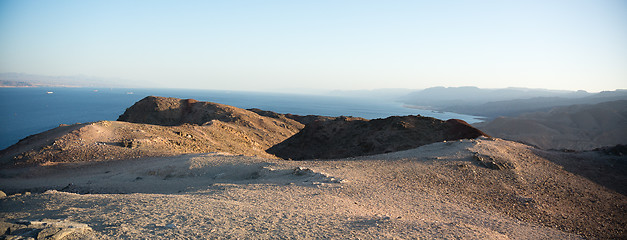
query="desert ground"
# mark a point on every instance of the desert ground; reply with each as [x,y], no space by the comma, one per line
[445,190]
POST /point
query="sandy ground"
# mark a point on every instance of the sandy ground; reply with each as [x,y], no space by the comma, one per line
[435,191]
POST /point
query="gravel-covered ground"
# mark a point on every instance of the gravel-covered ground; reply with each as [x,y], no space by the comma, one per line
[469,189]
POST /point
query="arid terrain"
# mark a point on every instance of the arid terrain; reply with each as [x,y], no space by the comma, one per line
[575,127]
[156,126]
[181,169]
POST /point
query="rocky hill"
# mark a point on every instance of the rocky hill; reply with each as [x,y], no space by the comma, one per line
[156,126]
[160,126]
[576,127]
[349,137]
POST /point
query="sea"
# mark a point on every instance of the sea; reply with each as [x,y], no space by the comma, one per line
[27,111]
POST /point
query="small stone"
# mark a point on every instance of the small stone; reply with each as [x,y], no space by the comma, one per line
[65,232]
[2,194]
[6,228]
[301,171]
[46,233]
[491,162]
[23,222]
[171,225]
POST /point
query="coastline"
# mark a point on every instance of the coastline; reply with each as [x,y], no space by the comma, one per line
[436,113]
[28,111]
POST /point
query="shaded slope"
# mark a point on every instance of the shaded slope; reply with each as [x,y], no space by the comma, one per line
[578,127]
[349,137]
[307,119]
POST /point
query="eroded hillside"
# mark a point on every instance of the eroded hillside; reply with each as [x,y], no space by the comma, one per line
[156,126]
[350,137]
[577,127]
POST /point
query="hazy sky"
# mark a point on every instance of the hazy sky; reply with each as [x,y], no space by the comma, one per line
[335,44]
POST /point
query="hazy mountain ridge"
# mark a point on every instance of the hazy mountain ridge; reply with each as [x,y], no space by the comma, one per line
[447,96]
[33,80]
[493,103]
[381,93]
[521,106]
[8,83]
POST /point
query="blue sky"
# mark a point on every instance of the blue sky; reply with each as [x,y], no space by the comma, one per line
[283,45]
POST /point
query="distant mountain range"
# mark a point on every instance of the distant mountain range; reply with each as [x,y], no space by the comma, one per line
[492,103]
[32,80]
[549,119]
[489,103]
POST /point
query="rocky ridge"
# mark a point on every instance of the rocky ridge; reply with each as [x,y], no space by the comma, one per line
[161,126]
[155,126]
[349,136]
[307,119]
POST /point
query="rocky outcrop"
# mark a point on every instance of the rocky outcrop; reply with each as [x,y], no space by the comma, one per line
[166,111]
[153,127]
[299,118]
[46,229]
[349,137]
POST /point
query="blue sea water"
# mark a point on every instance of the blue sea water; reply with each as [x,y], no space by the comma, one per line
[27,111]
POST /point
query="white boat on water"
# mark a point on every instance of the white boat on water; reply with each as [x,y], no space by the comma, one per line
[49,92]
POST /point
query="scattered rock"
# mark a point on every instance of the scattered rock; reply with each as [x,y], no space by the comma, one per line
[6,228]
[2,194]
[527,201]
[47,233]
[491,162]
[45,229]
[300,171]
